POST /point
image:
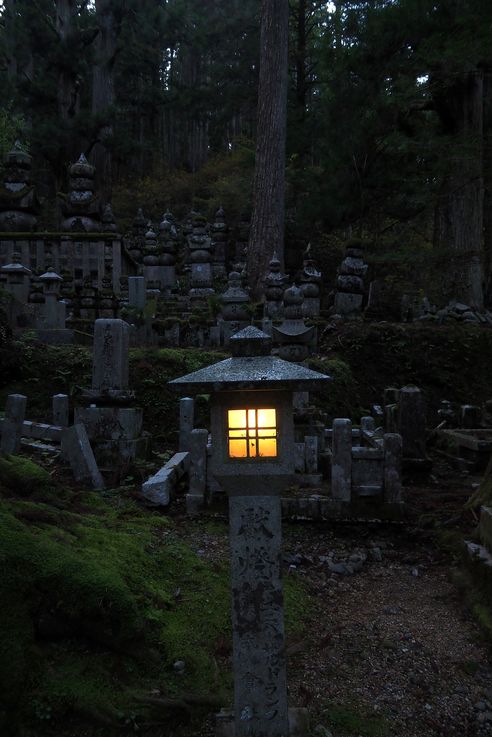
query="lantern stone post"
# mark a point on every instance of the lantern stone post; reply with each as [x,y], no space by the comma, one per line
[253,459]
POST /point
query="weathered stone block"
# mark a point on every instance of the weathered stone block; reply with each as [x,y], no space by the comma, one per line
[61,410]
[15,410]
[110,423]
[158,488]
[77,449]
[341,467]
[110,360]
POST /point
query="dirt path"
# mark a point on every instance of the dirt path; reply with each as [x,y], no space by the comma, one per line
[389,648]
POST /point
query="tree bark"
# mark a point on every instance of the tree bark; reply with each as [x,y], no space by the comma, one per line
[103,92]
[459,216]
[487,169]
[68,87]
[267,224]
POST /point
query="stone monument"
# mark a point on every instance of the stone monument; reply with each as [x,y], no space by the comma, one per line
[200,249]
[309,284]
[19,206]
[293,336]
[219,234]
[235,302]
[350,281]
[81,208]
[113,425]
[275,283]
[168,237]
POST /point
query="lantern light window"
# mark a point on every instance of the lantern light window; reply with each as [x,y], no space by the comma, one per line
[252,433]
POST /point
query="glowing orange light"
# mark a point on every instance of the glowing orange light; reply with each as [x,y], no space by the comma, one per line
[252,433]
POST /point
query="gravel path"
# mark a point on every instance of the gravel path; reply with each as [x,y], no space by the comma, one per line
[389,648]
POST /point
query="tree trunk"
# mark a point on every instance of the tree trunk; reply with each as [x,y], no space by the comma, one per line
[301,62]
[487,169]
[103,92]
[10,40]
[267,223]
[458,230]
[66,11]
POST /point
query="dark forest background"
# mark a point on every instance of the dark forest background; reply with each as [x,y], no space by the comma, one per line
[389,117]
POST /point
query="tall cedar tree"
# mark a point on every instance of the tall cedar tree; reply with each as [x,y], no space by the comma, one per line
[267,224]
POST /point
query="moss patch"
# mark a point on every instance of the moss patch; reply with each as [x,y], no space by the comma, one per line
[96,607]
[347,720]
[447,362]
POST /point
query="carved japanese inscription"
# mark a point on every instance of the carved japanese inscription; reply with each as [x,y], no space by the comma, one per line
[257,617]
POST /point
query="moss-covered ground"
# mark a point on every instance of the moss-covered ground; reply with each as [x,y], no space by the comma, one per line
[99,599]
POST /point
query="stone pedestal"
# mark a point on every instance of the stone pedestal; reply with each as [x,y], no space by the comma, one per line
[136,292]
[15,411]
[113,426]
[260,683]
[341,468]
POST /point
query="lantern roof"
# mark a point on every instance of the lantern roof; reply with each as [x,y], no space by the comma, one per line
[251,368]
[50,275]
[15,267]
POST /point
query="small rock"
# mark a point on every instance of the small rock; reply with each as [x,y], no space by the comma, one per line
[340,568]
[481,706]
[179,666]
[415,572]
[376,555]
[322,731]
[391,610]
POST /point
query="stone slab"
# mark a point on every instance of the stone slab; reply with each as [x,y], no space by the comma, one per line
[485,527]
[77,449]
[159,488]
[15,410]
[110,423]
[110,357]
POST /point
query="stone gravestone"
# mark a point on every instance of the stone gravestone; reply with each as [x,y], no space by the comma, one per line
[136,292]
[15,411]
[114,426]
[110,364]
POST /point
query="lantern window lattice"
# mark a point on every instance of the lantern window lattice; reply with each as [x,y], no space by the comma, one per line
[252,433]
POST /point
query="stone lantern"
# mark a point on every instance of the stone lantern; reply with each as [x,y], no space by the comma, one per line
[253,459]
[54,311]
[16,277]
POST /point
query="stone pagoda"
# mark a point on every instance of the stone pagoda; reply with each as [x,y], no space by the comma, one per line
[19,206]
[219,234]
[200,254]
[309,284]
[81,208]
[293,336]
[350,281]
[275,283]
[235,314]
[168,237]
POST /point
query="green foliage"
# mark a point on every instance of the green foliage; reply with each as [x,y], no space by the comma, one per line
[12,127]
[475,586]
[446,362]
[22,476]
[340,398]
[224,181]
[97,605]
[150,370]
[348,719]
